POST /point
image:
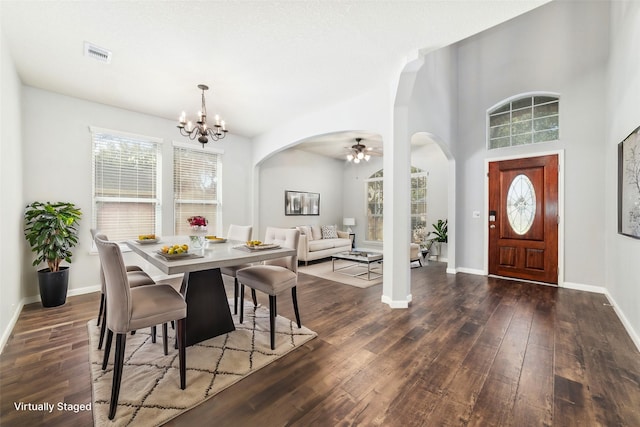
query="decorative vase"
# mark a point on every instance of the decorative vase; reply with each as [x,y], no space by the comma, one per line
[197,236]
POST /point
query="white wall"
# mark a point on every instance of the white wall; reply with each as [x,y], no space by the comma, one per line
[623,92]
[369,111]
[299,171]
[560,47]
[12,202]
[57,154]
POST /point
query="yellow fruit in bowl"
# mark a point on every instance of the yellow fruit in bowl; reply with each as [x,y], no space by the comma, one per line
[175,249]
[146,237]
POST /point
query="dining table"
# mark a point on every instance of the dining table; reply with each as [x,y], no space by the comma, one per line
[208,312]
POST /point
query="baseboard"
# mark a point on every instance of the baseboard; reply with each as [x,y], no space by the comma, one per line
[475,271]
[36,298]
[397,304]
[12,323]
[582,287]
[625,322]
[602,290]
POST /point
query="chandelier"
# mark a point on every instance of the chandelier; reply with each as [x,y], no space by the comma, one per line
[201,130]
[357,152]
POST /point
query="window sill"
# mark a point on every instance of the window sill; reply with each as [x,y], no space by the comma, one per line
[123,248]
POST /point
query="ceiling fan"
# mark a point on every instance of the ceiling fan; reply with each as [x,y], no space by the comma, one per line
[359,151]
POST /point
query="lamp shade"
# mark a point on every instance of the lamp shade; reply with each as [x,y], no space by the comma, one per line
[349,221]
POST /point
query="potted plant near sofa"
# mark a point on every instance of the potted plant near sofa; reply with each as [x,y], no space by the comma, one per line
[441,236]
[52,230]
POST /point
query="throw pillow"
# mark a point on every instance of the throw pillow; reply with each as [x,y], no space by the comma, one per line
[329,232]
[306,230]
[316,232]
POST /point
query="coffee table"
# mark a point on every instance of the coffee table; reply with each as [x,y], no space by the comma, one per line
[359,258]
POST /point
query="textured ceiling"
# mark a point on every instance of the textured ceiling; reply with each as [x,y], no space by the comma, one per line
[265,61]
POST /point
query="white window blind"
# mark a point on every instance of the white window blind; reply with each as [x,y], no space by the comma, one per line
[196,188]
[126,199]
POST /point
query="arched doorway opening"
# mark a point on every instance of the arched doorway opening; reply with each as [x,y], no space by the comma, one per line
[430,153]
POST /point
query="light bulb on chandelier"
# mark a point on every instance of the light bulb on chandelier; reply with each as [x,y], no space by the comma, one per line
[201,130]
[358,152]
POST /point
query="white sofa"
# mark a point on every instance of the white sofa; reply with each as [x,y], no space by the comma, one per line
[312,246]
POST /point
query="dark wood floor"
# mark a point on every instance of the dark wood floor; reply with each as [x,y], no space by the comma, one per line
[470,350]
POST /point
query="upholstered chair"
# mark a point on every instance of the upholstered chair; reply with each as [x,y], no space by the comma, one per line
[129,309]
[241,233]
[137,277]
[274,276]
[414,253]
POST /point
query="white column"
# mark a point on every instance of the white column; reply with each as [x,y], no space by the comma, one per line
[396,285]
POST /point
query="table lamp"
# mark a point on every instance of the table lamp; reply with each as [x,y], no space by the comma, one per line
[349,222]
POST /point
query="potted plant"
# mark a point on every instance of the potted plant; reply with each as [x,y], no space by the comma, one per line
[440,233]
[52,230]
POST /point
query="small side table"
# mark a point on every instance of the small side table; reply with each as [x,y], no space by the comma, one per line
[352,236]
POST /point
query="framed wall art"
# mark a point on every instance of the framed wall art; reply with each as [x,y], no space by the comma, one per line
[629,185]
[301,203]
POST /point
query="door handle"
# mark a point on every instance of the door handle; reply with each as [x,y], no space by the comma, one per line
[492,226]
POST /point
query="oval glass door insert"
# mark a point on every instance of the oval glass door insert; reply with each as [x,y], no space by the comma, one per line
[521,204]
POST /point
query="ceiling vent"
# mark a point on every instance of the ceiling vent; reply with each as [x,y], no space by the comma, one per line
[97,53]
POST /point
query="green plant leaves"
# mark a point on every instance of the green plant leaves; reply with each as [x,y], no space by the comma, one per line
[441,230]
[52,230]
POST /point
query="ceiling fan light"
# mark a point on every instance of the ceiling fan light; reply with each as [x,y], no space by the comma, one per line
[367,157]
[360,155]
[350,157]
[356,160]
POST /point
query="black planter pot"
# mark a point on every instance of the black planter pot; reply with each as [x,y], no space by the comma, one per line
[53,286]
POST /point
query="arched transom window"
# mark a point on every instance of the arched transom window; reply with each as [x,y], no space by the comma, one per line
[524,120]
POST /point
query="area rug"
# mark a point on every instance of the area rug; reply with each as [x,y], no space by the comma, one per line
[324,270]
[150,393]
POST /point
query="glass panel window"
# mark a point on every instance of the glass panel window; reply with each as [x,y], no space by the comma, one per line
[521,127]
[521,103]
[521,115]
[500,119]
[500,131]
[126,201]
[521,204]
[374,190]
[196,190]
[525,120]
[374,209]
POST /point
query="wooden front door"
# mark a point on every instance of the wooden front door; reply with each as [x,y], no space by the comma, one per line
[523,218]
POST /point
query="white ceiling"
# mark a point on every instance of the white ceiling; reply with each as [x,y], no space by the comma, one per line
[264,61]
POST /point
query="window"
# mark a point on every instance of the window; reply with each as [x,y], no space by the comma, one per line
[374,206]
[521,204]
[196,187]
[375,202]
[525,120]
[126,187]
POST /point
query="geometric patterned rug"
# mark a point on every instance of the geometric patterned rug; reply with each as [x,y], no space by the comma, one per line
[150,393]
